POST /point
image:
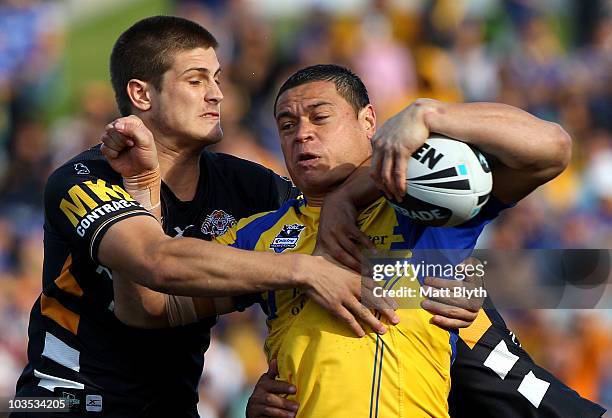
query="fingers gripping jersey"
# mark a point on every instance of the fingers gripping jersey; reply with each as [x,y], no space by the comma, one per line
[404,373]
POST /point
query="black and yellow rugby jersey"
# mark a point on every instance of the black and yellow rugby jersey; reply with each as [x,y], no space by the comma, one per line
[493,376]
[77,348]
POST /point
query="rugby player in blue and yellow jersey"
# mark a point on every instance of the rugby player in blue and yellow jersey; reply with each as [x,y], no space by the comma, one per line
[326,126]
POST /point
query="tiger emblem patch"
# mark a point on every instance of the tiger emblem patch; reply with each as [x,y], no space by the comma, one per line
[217,223]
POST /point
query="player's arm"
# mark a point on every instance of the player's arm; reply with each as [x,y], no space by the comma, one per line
[137,305]
[338,234]
[138,249]
[140,307]
[527,151]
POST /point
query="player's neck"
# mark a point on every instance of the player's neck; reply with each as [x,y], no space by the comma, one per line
[180,169]
[314,200]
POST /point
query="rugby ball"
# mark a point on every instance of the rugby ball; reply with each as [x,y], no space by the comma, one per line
[448,183]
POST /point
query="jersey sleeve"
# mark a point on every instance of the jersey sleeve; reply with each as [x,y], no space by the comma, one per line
[494,376]
[81,207]
[464,236]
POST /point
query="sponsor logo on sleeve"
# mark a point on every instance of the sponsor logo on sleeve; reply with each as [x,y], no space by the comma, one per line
[82,210]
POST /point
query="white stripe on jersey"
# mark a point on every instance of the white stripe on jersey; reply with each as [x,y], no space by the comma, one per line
[533,388]
[60,352]
[501,360]
[51,382]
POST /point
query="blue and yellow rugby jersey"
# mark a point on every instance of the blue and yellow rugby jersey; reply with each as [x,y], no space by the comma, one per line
[404,373]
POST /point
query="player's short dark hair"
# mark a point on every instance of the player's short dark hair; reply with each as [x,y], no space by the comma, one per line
[348,84]
[146,51]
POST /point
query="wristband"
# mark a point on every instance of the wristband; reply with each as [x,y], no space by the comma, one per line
[145,188]
[180,310]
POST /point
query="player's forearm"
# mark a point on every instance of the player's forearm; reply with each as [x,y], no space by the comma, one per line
[187,266]
[359,189]
[138,306]
[138,250]
[516,138]
[141,307]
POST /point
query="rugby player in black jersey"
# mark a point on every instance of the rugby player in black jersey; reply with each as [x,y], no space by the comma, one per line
[165,70]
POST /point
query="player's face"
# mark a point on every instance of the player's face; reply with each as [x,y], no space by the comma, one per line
[188,105]
[322,138]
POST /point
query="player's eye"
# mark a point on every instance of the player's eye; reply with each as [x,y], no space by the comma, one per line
[286,126]
[320,118]
[195,82]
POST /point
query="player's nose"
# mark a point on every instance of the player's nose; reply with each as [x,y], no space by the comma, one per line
[304,131]
[214,94]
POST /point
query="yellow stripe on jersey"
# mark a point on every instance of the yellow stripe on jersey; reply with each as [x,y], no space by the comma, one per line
[66,280]
[472,334]
[53,309]
[229,238]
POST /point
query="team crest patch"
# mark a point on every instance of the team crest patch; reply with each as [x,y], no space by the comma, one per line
[287,237]
[217,223]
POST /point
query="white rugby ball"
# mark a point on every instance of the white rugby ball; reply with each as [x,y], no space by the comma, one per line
[448,183]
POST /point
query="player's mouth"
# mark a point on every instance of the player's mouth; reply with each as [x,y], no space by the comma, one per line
[307,159]
[210,115]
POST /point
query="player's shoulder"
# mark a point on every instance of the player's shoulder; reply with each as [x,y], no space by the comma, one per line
[230,164]
[258,187]
[87,169]
[249,230]
[265,220]
[87,164]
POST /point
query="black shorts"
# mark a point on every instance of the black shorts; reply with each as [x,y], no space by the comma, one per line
[498,379]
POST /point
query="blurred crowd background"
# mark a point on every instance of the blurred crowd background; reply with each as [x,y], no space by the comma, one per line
[552,58]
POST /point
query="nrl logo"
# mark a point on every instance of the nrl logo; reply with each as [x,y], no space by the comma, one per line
[217,223]
[287,237]
[81,168]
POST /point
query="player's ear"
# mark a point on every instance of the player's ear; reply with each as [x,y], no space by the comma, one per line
[367,118]
[139,94]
